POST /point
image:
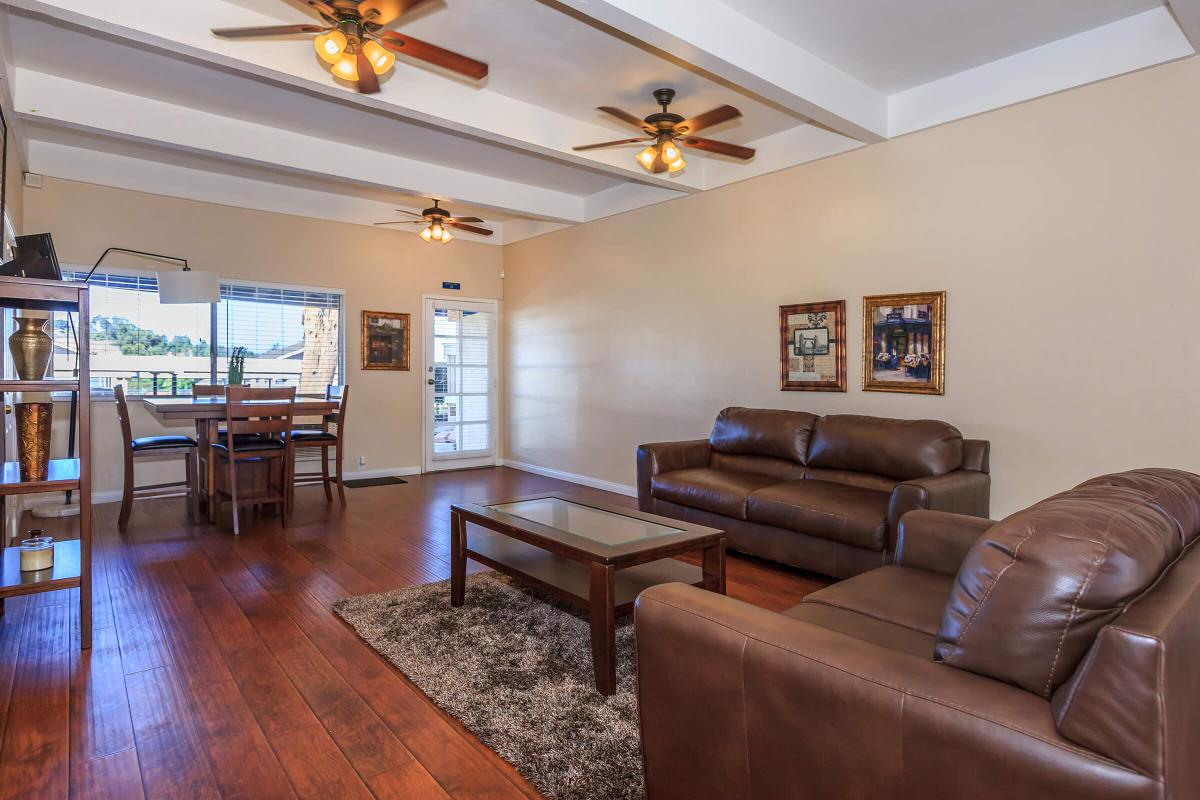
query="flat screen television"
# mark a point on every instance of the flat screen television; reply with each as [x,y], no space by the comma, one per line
[34,258]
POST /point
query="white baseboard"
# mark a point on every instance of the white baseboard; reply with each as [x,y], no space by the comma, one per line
[571,477]
[114,495]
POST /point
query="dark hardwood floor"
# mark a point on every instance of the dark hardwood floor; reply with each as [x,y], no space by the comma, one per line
[219,670]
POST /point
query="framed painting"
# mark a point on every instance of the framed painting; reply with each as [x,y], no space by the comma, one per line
[904,343]
[386,340]
[812,347]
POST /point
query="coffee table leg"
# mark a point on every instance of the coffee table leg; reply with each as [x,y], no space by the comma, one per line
[714,568]
[604,629]
[458,559]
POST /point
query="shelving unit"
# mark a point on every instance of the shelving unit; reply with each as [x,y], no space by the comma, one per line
[72,559]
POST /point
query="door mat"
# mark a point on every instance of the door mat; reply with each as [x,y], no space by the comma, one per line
[362,483]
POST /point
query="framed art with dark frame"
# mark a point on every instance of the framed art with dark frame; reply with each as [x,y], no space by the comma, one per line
[386,340]
[904,343]
[812,347]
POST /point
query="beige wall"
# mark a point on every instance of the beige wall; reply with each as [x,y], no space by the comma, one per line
[379,270]
[1066,232]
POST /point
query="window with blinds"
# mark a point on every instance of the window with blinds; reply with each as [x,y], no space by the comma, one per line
[289,336]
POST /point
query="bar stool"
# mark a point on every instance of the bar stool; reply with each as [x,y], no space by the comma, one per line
[145,446]
[257,422]
[323,438]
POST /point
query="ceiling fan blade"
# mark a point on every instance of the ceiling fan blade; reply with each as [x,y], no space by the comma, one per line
[383,12]
[368,81]
[625,116]
[722,148]
[708,119]
[463,219]
[401,222]
[438,56]
[471,228]
[413,213]
[612,144]
[267,30]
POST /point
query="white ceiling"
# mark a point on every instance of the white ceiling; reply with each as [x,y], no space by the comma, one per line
[140,95]
[892,45]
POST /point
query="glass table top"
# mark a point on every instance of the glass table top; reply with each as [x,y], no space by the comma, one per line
[604,527]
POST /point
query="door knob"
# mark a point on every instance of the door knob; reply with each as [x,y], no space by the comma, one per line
[429,381]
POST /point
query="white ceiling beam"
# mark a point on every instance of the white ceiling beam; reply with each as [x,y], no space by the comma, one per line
[81,106]
[413,93]
[1136,42]
[713,37]
[1187,14]
[155,177]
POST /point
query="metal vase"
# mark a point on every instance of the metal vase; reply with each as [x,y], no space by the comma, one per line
[31,348]
[33,439]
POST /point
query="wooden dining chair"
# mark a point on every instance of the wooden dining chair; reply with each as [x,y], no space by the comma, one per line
[332,433]
[257,422]
[145,446]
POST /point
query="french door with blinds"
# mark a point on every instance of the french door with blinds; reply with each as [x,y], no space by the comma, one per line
[460,383]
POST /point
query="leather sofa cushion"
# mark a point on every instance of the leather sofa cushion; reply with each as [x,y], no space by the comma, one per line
[910,598]
[1034,591]
[847,514]
[715,490]
[775,468]
[902,449]
[763,432]
[868,629]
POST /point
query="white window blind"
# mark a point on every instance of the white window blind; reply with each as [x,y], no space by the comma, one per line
[291,337]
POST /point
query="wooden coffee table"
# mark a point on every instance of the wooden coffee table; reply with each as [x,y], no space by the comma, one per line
[595,556]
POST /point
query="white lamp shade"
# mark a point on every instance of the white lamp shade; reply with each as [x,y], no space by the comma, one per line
[188,286]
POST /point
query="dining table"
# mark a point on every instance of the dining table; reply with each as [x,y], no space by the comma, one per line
[207,413]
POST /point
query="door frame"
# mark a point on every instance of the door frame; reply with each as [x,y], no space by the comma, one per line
[428,462]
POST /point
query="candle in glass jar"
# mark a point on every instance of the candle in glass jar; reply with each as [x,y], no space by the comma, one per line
[37,553]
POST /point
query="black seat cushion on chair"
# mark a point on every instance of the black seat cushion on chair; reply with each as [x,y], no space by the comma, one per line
[163,442]
[250,442]
[312,436]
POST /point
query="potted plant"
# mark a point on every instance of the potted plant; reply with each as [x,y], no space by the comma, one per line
[237,366]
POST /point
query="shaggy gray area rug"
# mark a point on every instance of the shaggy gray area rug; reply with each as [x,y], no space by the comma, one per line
[515,667]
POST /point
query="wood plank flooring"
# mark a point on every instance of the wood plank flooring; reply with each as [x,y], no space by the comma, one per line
[220,670]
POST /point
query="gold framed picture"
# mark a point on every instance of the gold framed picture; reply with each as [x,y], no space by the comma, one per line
[904,343]
[812,347]
[386,340]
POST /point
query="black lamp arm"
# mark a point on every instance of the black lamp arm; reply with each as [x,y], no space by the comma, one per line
[136,253]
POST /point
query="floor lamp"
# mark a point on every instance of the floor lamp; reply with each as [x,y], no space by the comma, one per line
[185,286]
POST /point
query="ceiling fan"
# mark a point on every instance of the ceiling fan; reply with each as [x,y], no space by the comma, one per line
[352,40]
[437,222]
[667,130]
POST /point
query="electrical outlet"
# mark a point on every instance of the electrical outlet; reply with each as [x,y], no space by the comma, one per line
[362,461]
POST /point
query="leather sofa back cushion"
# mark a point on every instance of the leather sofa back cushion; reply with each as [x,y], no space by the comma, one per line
[1035,590]
[763,432]
[776,468]
[902,449]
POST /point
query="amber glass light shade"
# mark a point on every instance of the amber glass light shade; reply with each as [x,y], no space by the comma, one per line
[647,157]
[670,152]
[347,67]
[446,237]
[381,58]
[330,46]
[427,233]
[676,165]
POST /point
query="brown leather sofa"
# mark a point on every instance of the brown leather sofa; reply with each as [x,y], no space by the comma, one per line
[1051,655]
[822,493]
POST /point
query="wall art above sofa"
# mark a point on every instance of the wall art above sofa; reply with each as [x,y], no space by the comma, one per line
[812,347]
[904,343]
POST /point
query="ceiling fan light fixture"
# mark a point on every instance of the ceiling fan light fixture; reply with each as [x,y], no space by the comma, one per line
[676,165]
[670,153]
[331,45]
[446,237]
[647,157]
[380,57]
[347,67]
[427,234]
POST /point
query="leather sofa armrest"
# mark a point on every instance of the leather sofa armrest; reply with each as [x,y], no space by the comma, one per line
[738,701]
[937,541]
[962,491]
[654,459]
